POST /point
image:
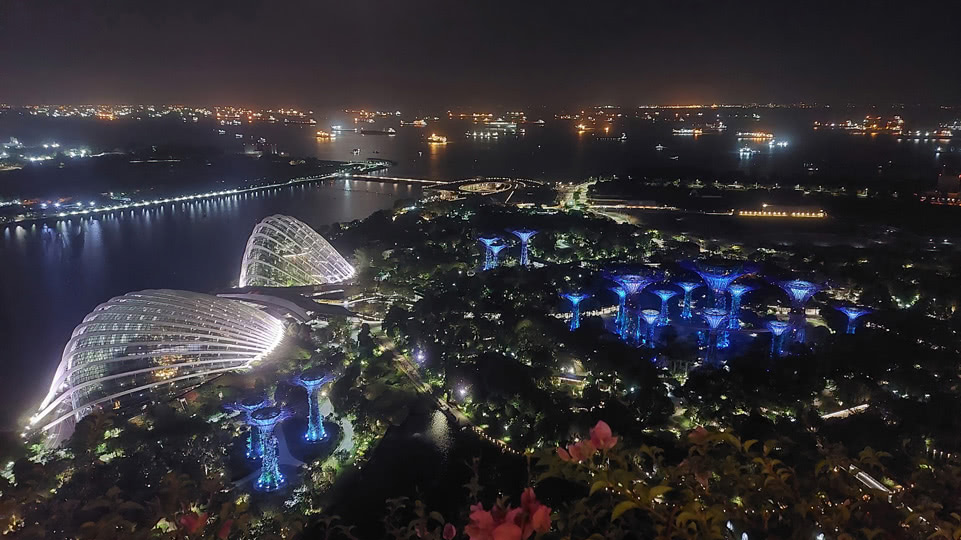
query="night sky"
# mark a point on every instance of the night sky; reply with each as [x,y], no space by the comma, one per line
[403,54]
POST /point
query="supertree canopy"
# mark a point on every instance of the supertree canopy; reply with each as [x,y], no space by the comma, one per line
[650,316]
[665,295]
[255,447]
[313,380]
[853,313]
[688,287]
[714,317]
[799,291]
[266,419]
[488,253]
[620,322]
[525,237]
[737,291]
[633,284]
[719,277]
[575,299]
[777,328]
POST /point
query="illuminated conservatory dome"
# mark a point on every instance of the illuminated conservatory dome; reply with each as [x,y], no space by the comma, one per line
[150,345]
[285,252]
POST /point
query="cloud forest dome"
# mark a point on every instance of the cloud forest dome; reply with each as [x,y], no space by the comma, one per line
[153,343]
[285,252]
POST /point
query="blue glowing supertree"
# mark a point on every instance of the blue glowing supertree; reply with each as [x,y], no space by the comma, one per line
[718,278]
[799,291]
[853,313]
[665,295]
[651,317]
[525,237]
[633,285]
[777,328]
[495,251]
[575,299]
[687,287]
[488,254]
[737,291]
[621,321]
[266,419]
[312,381]
[255,447]
[714,317]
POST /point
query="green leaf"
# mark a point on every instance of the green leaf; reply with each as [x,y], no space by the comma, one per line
[597,486]
[621,508]
[657,491]
[749,444]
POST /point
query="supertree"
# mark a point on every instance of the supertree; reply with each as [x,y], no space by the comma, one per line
[525,237]
[575,299]
[312,381]
[488,253]
[737,290]
[714,318]
[651,317]
[799,291]
[777,328]
[718,278]
[266,419]
[688,287]
[633,285]
[853,313]
[665,295]
[255,447]
[495,252]
[621,321]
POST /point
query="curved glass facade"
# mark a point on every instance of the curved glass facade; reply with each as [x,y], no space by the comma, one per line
[153,344]
[286,252]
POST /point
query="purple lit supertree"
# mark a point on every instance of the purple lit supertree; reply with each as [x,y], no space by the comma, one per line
[777,328]
[621,320]
[737,290]
[255,447]
[495,251]
[525,237]
[718,278]
[488,253]
[687,287]
[575,299]
[853,313]
[714,317]
[312,381]
[651,317]
[266,419]
[633,285]
[665,295]
[799,291]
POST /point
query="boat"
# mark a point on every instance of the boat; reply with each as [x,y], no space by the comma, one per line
[323,135]
[415,123]
[436,139]
[355,151]
[687,131]
[659,147]
[388,131]
[675,157]
[340,128]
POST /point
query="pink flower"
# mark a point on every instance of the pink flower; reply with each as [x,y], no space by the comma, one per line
[581,451]
[601,436]
[481,526]
[449,532]
[698,435]
[193,522]
[563,454]
[541,519]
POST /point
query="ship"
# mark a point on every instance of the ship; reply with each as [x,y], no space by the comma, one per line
[659,147]
[323,135]
[336,129]
[687,131]
[436,139]
[388,131]
[355,151]
[415,123]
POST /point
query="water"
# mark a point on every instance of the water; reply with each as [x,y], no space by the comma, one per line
[52,276]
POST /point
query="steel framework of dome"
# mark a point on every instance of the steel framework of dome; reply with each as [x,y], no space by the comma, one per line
[285,252]
[153,344]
